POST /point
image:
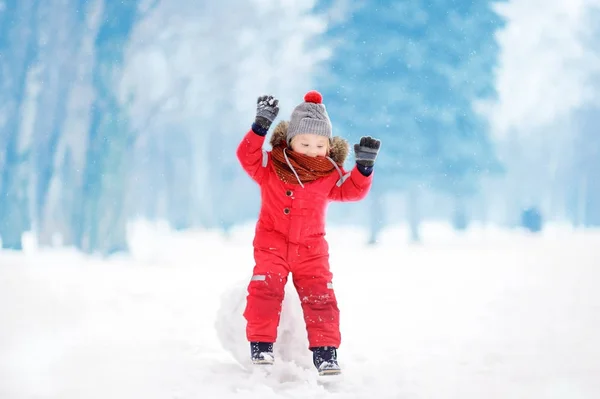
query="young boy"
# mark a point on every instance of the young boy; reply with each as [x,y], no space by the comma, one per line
[298,178]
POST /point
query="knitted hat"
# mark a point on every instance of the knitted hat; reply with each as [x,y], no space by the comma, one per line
[310,117]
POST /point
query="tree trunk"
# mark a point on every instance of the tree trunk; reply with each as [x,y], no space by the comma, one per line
[376,219]
[18,46]
[414,215]
[103,223]
[460,219]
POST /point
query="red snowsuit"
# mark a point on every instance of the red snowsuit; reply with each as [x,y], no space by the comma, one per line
[289,237]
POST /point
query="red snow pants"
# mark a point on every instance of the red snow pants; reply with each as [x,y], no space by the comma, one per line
[308,264]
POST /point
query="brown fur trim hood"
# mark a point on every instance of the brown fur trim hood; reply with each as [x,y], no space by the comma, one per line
[339,147]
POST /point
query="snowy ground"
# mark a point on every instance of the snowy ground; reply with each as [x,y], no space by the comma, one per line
[489,315]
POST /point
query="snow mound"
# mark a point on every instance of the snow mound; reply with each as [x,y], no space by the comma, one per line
[292,342]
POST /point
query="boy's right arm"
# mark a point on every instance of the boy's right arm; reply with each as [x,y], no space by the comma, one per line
[250,153]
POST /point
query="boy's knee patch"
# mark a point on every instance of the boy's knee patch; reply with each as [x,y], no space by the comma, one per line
[267,284]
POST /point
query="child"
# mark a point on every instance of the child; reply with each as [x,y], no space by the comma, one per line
[297,179]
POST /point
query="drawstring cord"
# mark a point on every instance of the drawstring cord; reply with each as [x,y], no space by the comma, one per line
[335,165]
[292,168]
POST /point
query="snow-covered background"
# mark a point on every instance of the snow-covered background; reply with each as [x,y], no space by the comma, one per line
[114,111]
[492,314]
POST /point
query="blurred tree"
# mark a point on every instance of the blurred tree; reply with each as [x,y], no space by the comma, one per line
[66,111]
[410,73]
[211,64]
[100,215]
[584,184]
[60,34]
[18,49]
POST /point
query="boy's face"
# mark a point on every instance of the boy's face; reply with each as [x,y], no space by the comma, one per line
[312,145]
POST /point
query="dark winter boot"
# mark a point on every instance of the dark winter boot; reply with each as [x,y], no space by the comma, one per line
[261,352]
[325,360]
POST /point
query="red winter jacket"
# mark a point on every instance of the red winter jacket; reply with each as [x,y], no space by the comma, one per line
[290,211]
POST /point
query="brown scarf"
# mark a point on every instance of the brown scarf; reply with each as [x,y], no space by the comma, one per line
[307,168]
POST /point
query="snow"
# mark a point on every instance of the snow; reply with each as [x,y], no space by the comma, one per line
[491,314]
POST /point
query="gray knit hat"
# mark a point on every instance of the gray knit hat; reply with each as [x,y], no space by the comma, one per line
[310,117]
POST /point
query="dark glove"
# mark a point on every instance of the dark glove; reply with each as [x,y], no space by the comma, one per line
[366,151]
[266,111]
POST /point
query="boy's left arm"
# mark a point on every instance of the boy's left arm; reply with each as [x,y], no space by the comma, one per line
[355,186]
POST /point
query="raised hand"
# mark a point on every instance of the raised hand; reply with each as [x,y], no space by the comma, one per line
[267,108]
[366,151]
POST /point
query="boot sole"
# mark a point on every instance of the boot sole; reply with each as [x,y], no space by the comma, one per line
[263,362]
[330,372]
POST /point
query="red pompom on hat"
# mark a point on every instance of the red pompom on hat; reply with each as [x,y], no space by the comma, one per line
[313,96]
